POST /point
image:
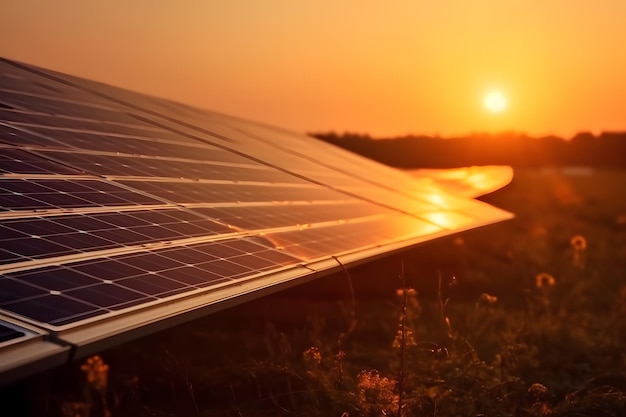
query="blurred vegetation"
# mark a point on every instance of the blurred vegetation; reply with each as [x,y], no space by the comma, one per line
[607,150]
[522,318]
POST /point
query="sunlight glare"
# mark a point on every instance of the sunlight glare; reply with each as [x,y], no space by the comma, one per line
[495,102]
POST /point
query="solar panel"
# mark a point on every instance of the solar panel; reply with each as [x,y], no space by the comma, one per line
[121,214]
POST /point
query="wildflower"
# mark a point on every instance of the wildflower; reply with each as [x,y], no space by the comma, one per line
[97,373]
[412,302]
[541,409]
[544,279]
[376,393]
[409,340]
[409,292]
[579,243]
[539,391]
[488,298]
[449,331]
[312,356]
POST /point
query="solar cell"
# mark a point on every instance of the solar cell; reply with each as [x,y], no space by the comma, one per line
[9,333]
[122,214]
[125,280]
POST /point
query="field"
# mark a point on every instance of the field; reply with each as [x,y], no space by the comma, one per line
[522,318]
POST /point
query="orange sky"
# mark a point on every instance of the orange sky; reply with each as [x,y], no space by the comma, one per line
[383,68]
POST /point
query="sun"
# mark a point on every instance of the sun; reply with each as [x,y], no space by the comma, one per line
[495,102]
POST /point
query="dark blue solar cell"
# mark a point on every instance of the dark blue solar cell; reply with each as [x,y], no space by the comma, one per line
[211,278]
[122,237]
[8,115]
[74,187]
[219,250]
[83,241]
[211,225]
[187,255]
[19,137]
[7,257]
[13,186]
[31,246]
[11,166]
[223,268]
[151,262]
[39,227]
[140,199]
[55,278]
[11,290]
[156,217]
[82,223]
[30,194]
[9,333]
[279,258]
[156,232]
[246,246]
[54,309]
[153,284]
[17,161]
[188,275]
[190,229]
[8,233]
[106,199]
[129,219]
[14,201]
[48,105]
[253,262]
[108,269]
[62,200]
[109,296]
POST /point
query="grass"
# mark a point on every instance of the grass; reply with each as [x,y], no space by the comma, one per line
[459,327]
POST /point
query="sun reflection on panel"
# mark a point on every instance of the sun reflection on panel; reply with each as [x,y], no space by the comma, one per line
[448,219]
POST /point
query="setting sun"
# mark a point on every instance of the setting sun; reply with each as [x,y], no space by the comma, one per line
[495,102]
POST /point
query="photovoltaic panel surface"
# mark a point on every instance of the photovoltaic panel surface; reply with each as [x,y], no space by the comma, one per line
[122,213]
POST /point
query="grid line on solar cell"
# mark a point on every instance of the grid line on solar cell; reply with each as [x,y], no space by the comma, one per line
[315,243]
[31,243]
[23,239]
[59,295]
[198,192]
[46,123]
[17,136]
[59,106]
[181,191]
[131,144]
[139,127]
[16,78]
[106,140]
[110,164]
[18,161]
[27,214]
[151,168]
[37,194]
[258,217]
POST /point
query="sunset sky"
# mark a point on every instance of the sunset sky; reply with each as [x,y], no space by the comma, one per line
[383,68]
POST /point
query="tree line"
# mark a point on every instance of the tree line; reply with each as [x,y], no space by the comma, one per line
[607,150]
